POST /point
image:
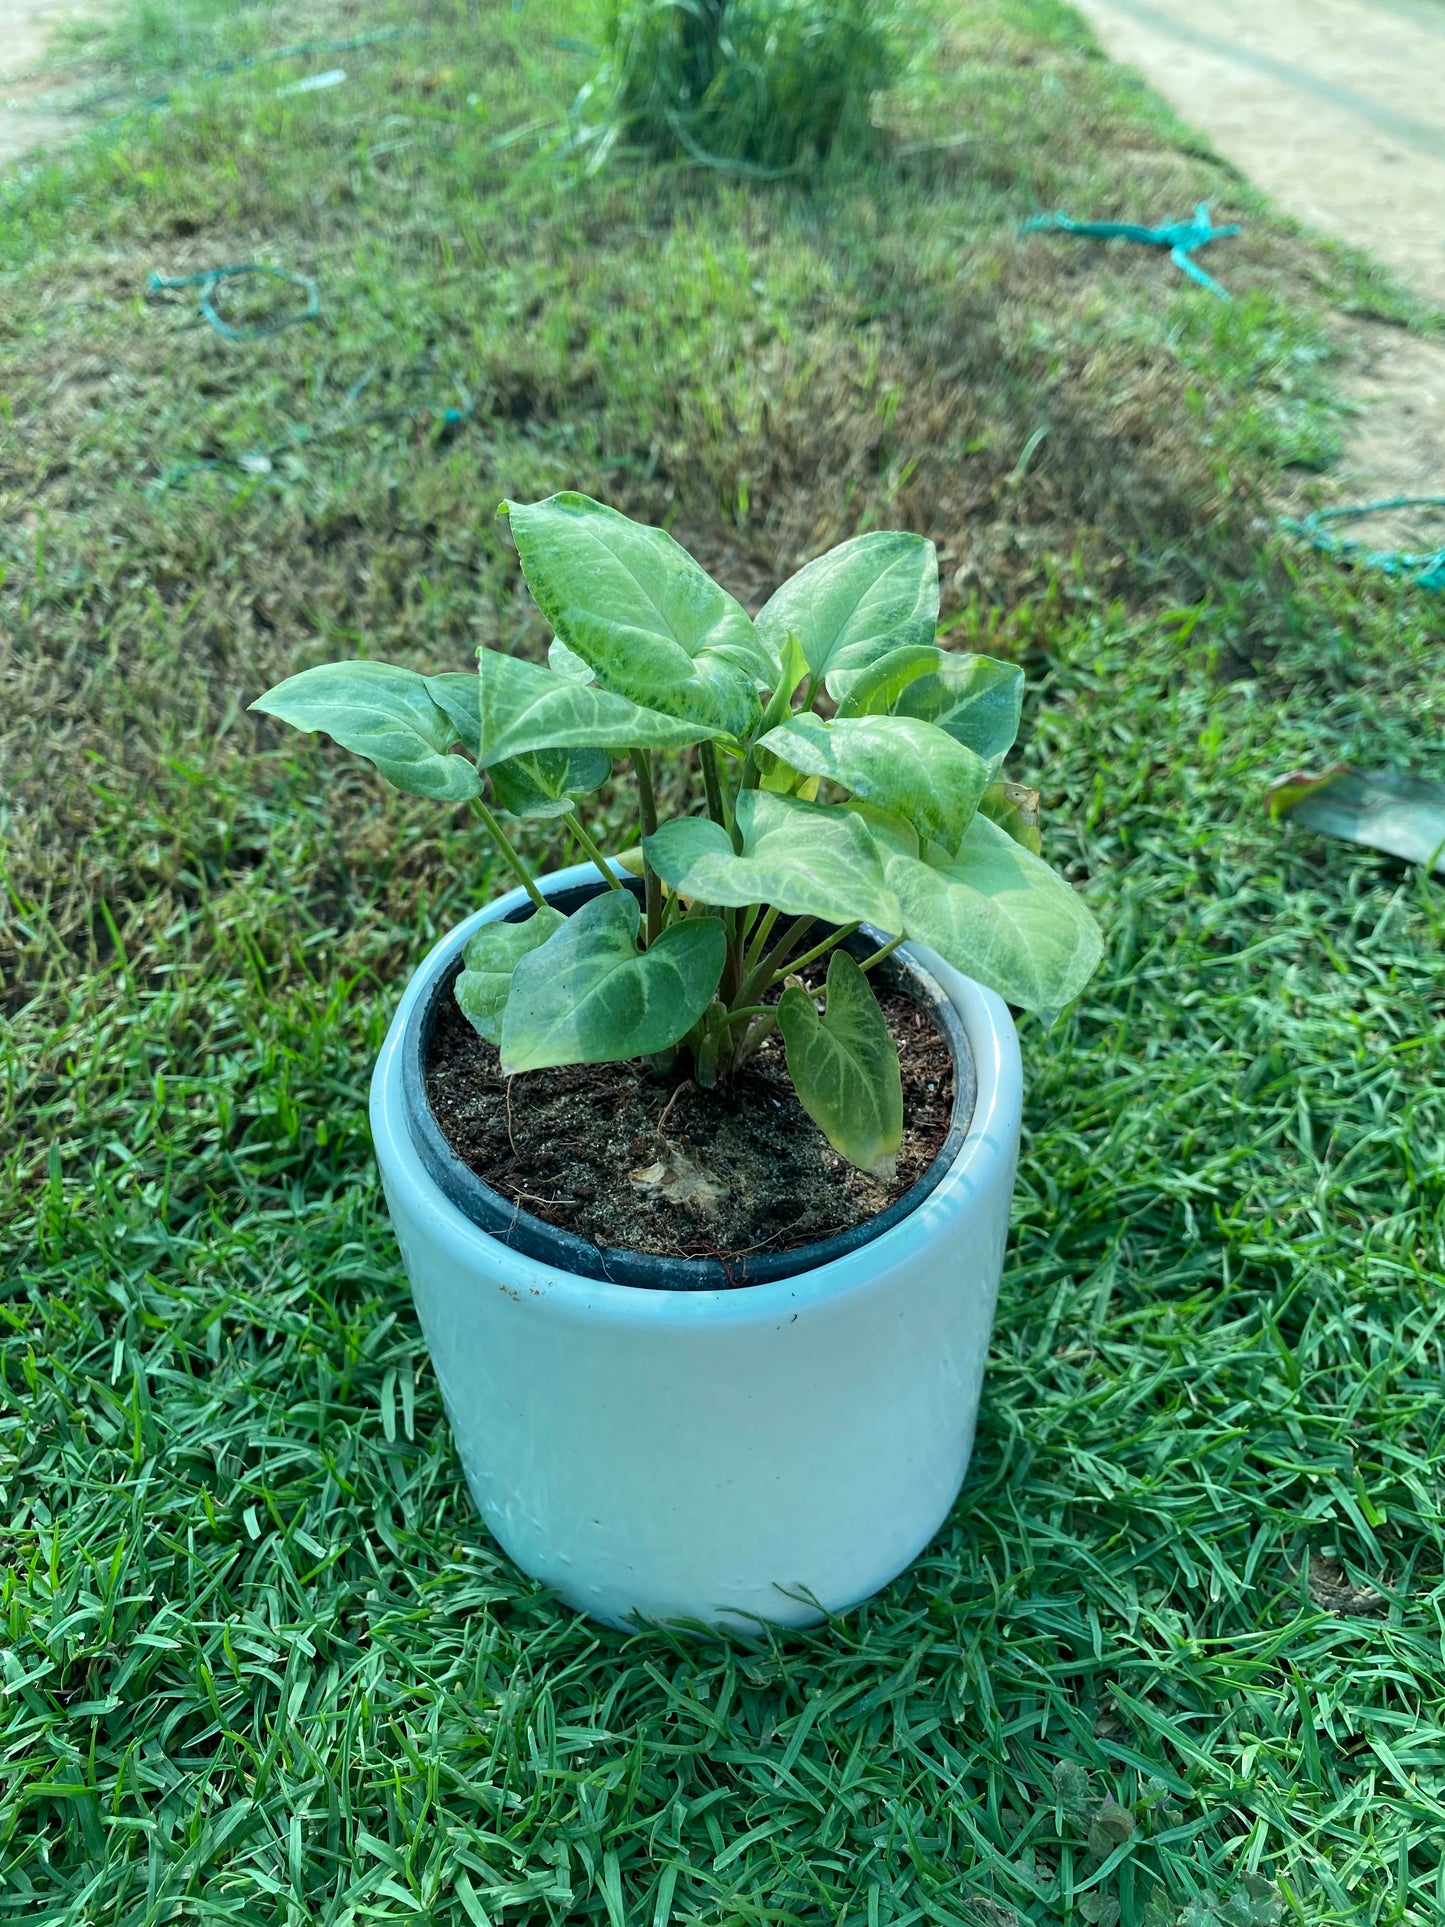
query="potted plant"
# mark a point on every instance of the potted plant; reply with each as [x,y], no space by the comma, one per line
[700,1158]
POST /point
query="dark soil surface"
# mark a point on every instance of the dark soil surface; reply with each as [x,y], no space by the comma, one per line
[658,1166]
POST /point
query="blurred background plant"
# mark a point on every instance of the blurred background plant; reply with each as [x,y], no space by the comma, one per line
[751,85]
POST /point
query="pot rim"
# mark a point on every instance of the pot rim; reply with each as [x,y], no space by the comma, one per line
[991,1139]
[505,1219]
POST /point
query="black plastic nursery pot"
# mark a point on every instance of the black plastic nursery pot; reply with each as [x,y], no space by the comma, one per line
[508,1222]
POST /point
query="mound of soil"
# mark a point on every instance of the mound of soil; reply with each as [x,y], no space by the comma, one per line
[656,1165]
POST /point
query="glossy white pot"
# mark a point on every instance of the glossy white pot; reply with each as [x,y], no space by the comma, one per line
[719,1455]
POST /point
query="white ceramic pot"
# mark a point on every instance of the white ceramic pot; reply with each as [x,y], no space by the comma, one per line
[719,1455]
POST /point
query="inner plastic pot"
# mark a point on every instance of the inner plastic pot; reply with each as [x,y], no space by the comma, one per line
[506,1221]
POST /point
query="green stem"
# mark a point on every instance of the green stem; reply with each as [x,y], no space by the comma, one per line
[760,937]
[754,1034]
[712,785]
[504,844]
[647,808]
[818,950]
[749,1011]
[878,955]
[732,977]
[757,980]
[590,850]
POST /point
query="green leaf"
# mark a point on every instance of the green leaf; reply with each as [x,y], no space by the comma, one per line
[893,835]
[873,690]
[491,955]
[634,605]
[1110,1827]
[791,670]
[545,782]
[538,782]
[384,713]
[974,699]
[856,603]
[801,858]
[902,765]
[1072,1788]
[781,778]
[458,693]
[844,1066]
[1016,810]
[522,709]
[589,996]
[689,847]
[1000,914]
[563,661]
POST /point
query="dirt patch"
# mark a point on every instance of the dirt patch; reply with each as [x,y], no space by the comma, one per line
[34,104]
[658,1166]
[1397,446]
[1332,1590]
[1394,382]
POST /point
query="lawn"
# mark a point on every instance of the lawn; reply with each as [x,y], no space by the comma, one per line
[1179,1654]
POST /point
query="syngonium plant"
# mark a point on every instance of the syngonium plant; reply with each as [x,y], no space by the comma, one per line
[887,812]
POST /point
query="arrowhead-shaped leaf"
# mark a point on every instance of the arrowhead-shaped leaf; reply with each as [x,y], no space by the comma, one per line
[896,762]
[974,699]
[516,708]
[536,783]
[491,956]
[457,694]
[634,605]
[856,603]
[801,858]
[384,713]
[1001,915]
[546,782]
[844,1066]
[589,996]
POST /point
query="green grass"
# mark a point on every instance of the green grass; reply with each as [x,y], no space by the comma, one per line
[1177,1656]
[763,85]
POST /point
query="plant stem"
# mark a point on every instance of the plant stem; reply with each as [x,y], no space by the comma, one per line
[504,844]
[712,784]
[787,943]
[732,977]
[591,850]
[818,950]
[760,937]
[756,980]
[647,807]
[754,1034]
[748,1010]
[878,955]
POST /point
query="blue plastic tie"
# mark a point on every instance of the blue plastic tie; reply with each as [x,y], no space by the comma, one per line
[1180,237]
[1426,570]
[212,279]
